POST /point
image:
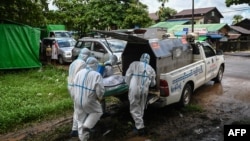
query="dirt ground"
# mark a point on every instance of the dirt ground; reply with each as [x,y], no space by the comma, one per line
[212,106]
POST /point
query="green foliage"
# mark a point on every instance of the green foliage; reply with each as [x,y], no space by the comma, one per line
[237,18]
[165,13]
[32,95]
[236,2]
[77,15]
[136,15]
[103,14]
[28,12]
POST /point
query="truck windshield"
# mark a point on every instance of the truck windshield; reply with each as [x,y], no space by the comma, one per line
[65,43]
[116,45]
[62,34]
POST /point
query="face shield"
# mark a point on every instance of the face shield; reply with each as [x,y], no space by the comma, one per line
[92,63]
[84,54]
[145,58]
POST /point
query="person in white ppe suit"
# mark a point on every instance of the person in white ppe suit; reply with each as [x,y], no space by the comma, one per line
[139,76]
[76,66]
[108,71]
[88,92]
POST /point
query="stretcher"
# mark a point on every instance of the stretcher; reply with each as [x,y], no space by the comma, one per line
[115,85]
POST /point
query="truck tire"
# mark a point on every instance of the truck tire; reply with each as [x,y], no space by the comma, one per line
[60,60]
[186,95]
[219,76]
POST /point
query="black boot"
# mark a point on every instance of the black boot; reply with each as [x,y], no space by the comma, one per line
[74,133]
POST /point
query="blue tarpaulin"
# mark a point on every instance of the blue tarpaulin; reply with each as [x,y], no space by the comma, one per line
[215,36]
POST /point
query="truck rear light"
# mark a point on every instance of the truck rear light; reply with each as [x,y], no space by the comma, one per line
[164,88]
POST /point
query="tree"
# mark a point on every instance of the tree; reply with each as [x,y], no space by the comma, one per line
[113,14]
[28,12]
[69,13]
[236,2]
[236,19]
[136,15]
[103,14]
[163,2]
[165,13]
[77,15]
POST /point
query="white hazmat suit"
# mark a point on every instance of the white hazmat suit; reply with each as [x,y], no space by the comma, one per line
[108,71]
[139,76]
[88,92]
[75,67]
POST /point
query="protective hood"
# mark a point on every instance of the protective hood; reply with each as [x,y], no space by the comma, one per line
[112,60]
[92,63]
[84,54]
[145,58]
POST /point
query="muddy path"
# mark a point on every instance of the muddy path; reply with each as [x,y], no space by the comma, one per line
[212,106]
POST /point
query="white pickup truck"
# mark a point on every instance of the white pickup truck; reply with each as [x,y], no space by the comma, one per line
[179,84]
[181,66]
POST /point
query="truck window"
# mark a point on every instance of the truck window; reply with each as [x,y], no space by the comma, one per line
[78,44]
[195,49]
[86,45]
[209,52]
[98,47]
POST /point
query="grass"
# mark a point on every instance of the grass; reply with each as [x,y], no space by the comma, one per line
[32,95]
[192,108]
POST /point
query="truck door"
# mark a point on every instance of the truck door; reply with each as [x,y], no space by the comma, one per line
[210,61]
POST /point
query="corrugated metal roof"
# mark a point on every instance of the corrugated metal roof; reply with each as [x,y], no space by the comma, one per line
[244,23]
[197,11]
[169,24]
[240,29]
[209,27]
[233,36]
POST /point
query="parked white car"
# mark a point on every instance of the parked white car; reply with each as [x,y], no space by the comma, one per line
[65,47]
[101,48]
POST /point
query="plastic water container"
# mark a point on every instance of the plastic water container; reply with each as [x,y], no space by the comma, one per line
[101,68]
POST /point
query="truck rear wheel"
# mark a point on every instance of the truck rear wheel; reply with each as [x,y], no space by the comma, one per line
[186,95]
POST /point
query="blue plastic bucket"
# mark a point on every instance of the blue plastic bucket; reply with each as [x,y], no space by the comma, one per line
[100,68]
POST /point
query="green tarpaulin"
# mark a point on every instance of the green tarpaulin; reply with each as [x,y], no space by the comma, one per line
[202,38]
[19,46]
[51,27]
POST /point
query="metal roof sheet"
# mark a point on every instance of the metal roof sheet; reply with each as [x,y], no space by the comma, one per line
[197,11]
[209,27]
[169,24]
[240,29]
